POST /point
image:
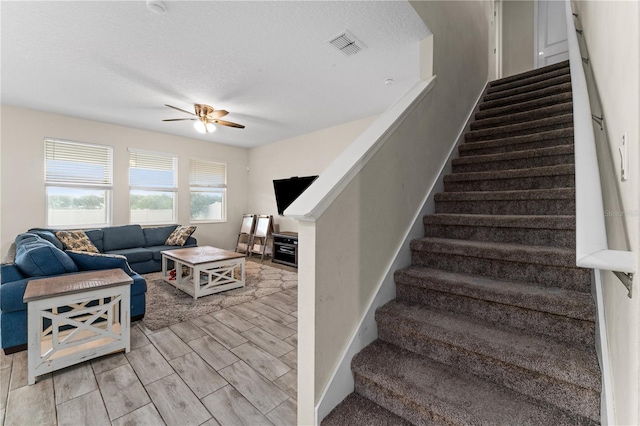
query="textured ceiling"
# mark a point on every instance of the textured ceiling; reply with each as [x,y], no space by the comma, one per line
[268,63]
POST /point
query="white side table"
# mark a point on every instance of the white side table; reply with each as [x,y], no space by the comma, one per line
[75,318]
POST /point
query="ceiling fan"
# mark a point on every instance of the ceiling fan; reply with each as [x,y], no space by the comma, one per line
[205,117]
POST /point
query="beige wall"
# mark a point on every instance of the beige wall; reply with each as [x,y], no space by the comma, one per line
[611,33]
[303,155]
[23,194]
[357,236]
[518,22]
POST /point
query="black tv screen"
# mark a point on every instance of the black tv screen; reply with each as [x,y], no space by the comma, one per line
[287,190]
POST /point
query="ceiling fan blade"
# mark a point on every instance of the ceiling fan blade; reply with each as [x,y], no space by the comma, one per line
[228,123]
[180,119]
[179,109]
[219,113]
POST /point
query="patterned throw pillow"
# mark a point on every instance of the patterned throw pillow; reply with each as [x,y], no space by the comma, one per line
[76,240]
[180,235]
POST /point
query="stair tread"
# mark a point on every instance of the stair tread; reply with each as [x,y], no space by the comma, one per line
[543,355]
[546,255]
[519,139]
[525,97]
[527,74]
[530,105]
[451,395]
[527,194]
[356,409]
[506,221]
[515,155]
[528,80]
[532,126]
[560,169]
[555,81]
[552,300]
[523,117]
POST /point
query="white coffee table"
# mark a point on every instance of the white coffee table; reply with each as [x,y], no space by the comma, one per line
[210,270]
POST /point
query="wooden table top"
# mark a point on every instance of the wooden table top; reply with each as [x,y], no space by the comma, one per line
[203,254]
[76,283]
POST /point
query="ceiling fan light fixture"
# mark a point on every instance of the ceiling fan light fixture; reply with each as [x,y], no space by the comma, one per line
[203,127]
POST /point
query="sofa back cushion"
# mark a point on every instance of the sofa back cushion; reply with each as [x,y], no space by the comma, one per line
[123,237]
[96,237]
[47,234]
[158,235]
[36,257]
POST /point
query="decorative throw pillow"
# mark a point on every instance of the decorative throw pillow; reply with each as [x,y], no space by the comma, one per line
[88,261]
[76,240]
[180,235]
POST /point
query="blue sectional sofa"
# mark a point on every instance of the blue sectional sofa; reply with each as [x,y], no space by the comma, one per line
[40,254]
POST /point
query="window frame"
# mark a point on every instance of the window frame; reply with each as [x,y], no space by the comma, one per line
[107,186]
[175,189]
[203,187]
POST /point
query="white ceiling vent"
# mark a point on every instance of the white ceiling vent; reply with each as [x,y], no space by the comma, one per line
[347,43]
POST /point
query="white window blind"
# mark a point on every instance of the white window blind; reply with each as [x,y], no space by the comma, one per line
[78,164]
[149,170]
[207,174]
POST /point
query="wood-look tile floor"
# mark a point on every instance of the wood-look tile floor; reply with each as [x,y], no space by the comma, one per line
[232,367]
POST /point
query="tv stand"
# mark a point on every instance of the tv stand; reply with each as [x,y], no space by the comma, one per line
[285,248]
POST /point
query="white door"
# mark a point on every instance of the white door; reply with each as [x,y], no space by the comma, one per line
[551,30]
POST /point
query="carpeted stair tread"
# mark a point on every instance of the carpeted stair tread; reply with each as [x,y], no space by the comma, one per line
[545,356]
[529,80]
[552,82]
[533,194]
[557,301]
[525,97]
[507,221]
[555,201]
[560,154]
[518,143]
[559,169]
[523,117]
[520,129]
[531,73]
[426,392]
[558,176]
[531,105]
[358,410]
[544,255]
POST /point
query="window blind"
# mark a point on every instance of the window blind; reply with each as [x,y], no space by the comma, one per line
[207,174]
[75,163]
[153,170]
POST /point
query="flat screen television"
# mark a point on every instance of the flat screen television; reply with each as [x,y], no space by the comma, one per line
[287,190]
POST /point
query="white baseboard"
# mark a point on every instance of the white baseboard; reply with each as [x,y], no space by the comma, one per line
[607,415]
[341,383]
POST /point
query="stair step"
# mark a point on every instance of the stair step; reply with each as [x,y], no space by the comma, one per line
[529,81]
[423,392]
[542,230]
[564,315]
[545,266]
[525,97]
[556,201]
[560,176]
[358,410]
[524,106]
[531,73]
[534,365]
[523,117]
[519,143]
[528,128]
[552,82]
[551,156]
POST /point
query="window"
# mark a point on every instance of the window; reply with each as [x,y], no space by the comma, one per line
[153,184]
[79,184]
[208,183]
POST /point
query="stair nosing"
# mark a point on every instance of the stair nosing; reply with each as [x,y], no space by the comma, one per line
[509,195]
[549,151]
[543,171]
[556,222]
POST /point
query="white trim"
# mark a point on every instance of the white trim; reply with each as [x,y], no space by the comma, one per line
[341,382]
[607,414]
[332,181]
[535,34]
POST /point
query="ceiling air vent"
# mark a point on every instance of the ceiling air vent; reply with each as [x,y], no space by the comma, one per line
[347,43]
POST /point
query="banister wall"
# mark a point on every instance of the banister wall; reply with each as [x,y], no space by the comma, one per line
[349,239]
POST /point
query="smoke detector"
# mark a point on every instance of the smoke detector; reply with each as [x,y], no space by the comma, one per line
[347,43]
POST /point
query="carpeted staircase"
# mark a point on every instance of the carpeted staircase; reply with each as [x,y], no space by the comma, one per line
[493,323]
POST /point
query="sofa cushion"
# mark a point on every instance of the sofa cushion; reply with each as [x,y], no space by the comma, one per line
[10,273]
[180,235]
[76,240]
[95,235]
[95,261]
[47,234]
[122,237]
[11,295]
[134,255]
[157,249]
[36,257]
[158,235]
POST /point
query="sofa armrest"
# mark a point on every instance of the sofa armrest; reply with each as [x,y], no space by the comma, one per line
[98,261]
[10,273]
